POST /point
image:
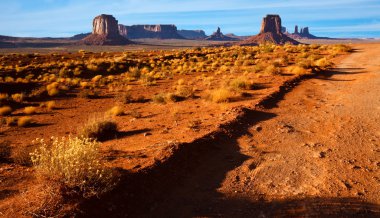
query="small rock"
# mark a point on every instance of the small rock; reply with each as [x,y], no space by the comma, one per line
[258,128]
[147,134]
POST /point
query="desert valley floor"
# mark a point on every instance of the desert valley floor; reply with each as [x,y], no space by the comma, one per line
[296,146]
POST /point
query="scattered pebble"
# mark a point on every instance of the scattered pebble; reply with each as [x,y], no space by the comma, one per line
[258,128]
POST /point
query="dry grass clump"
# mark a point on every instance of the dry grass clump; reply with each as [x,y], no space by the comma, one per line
[115,111]
[159,98]
[21,155]
[18,97]
[241,83]
[100,127]
[323,63]
[297,70]
[182,92]
[53,89]
[50,105]
[342,48]
[125,97]
[272,70]
[5,110]
[75,163]
[30,110]
[24,121]
[221,95]
[96,78]
[4,96]
[11,121]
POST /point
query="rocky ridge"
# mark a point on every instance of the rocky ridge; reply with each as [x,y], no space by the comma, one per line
[192,34]
[159,31]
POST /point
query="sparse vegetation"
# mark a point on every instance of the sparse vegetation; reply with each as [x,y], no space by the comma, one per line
[115,111]
[221,95]
[18,97]
[21,155]
[241,83]
[30,110]
[24,121]
[185,92]
[99,127]
[5,110]
[74,163]
[159,98]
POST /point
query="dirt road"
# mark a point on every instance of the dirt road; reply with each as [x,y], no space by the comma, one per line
[315,153]
[322,148]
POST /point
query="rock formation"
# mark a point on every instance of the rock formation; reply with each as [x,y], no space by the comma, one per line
[270,32]
[305,31]
[302,34]
[105,32]
[271,24]
[219,36]
[150,31]
[283,29]
[192,34]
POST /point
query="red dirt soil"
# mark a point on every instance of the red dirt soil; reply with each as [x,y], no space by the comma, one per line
[291,155]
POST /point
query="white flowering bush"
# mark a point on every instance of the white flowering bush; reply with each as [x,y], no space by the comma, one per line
[74,163]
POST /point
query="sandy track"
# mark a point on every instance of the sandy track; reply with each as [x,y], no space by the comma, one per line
[323,143]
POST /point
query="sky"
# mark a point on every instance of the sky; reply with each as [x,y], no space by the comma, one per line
[63,18]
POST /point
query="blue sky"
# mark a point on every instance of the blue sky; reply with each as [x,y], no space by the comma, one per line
[61,18]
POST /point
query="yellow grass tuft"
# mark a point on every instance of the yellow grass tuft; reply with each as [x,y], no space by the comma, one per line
[30,110]
[115,111]
[221,95]
[50,105]
[297,70]
[24,121]
[99,127]
[5,110]
[18,97]
[75,163]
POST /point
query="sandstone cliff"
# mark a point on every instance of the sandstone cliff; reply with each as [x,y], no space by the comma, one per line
[149,31]
[105,32]
[192,34]
[270,32]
